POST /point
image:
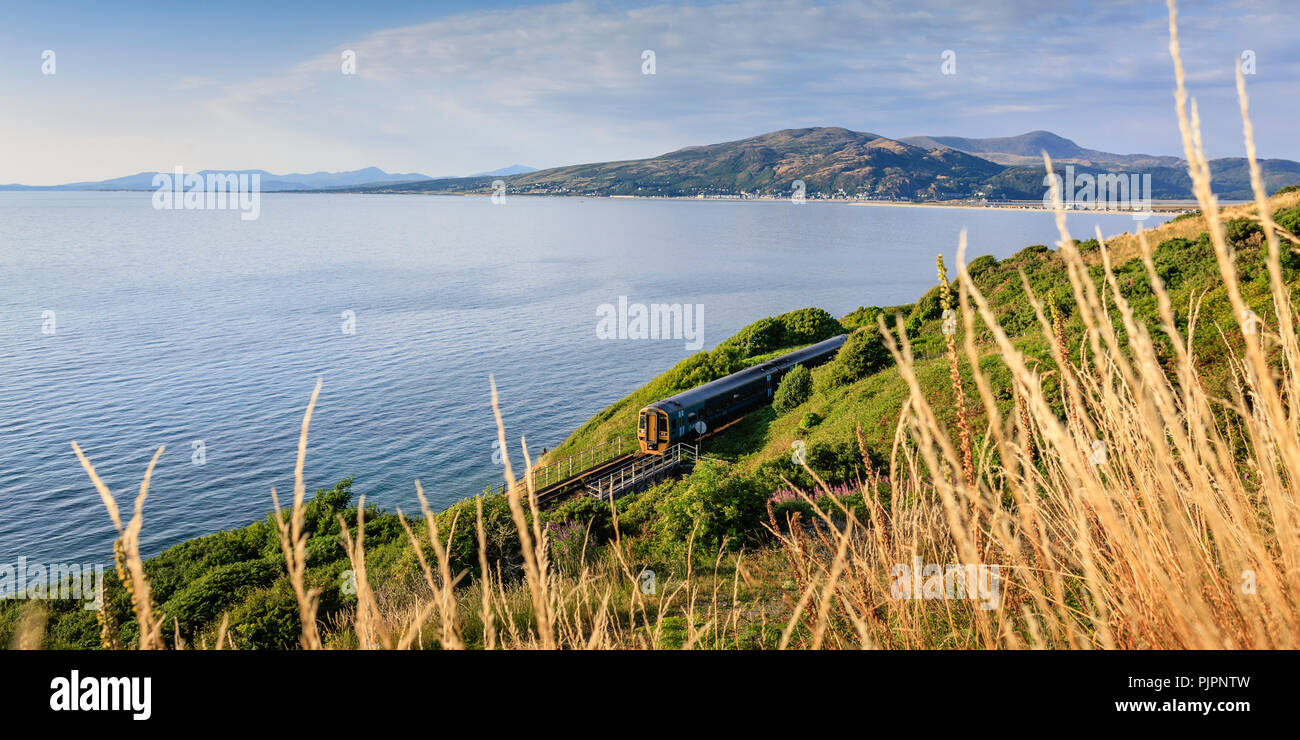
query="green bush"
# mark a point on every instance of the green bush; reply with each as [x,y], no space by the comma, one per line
[586,512]
[863,354]
[763,336]
[267,619]
[809,421]
[716,505]
[1289,218]
[795,388]
[796,328]
[836,463]
[863,316]
[201,601]
[457,529]
[924,310]
[1240,230]
[980,265]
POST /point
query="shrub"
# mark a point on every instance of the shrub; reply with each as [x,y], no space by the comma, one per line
[804,326]
[808,325]
[863,316]
[924,310]
[795,388]
[1289,218]
[267,619]
[863,354]
[202,600]
[762,337]
[457,529]
[585,511]
[980,265]
[716,505]
[1240,230]
[835,462]
[809,421]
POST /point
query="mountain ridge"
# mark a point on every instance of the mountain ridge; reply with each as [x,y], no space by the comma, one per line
[835,162]
[1027,148]
[271,182]
[822,161]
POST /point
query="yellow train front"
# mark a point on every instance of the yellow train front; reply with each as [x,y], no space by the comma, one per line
[695,413]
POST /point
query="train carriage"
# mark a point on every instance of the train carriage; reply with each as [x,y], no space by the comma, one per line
[692,414]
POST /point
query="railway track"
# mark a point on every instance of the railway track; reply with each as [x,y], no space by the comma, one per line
[669,432]
[557,492]
[616,476]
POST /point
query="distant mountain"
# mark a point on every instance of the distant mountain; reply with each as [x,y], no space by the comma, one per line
[1023,178]
[826,160]
[1027,149]
[370,176]
[514,169]
[837,162]
[830,162]
[1230,178]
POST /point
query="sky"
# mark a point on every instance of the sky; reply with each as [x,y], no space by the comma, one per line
[458,88]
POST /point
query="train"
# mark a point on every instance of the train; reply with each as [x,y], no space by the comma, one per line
[705,409]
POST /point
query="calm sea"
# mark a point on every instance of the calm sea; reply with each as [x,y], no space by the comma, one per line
[126,328]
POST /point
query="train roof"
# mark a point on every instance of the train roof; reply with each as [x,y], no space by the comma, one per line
[735,380]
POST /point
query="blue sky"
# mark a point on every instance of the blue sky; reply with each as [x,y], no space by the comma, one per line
[449,89]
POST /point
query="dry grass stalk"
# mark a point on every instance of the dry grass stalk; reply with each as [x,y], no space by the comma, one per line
[127,550]
[532,544]
[293,540]
[371,630]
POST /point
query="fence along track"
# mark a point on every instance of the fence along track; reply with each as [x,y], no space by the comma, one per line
[567,468]
[608,470]
[644,471]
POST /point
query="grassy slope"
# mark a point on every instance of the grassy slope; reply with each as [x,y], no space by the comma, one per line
[1188,270]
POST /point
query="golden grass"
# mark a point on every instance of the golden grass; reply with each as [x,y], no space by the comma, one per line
[126,551]
[293,540]
[1152,516]
[1124,247]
